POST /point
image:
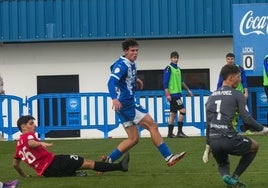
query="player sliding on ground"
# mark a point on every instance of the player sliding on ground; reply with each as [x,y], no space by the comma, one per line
[33,152]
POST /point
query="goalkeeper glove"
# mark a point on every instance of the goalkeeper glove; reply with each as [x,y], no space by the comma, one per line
[206,154]
[265,131]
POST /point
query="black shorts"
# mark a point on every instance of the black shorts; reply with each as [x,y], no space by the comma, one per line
[222,146]
[64,165]
[176,104]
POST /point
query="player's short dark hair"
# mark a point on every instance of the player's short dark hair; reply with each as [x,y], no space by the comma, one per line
[129,43]
[228,70]
[174,54]
[24,120]
[230,55]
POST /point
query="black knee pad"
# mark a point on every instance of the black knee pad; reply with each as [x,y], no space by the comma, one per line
[182,113]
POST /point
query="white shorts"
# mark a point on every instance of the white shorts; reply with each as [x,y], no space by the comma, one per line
[132,115]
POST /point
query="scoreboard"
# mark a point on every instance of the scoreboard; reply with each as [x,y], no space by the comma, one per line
[250,36]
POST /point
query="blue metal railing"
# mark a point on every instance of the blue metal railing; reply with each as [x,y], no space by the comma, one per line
[76,111]
[11,108]
[65,111]
[160,107]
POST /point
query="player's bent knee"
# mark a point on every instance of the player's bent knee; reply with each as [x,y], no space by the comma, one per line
[135,140]
[153,128]
[254,146]
[173,114]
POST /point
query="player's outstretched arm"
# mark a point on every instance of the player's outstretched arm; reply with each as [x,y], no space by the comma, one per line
[34,144]
[16,165]
[262,132]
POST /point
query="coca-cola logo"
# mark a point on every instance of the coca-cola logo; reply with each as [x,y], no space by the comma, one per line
[251,24]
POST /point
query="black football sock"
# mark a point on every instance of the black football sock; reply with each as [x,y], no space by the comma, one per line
[170,129]
[224,169]
[180,124]
[104,167]
[244,163]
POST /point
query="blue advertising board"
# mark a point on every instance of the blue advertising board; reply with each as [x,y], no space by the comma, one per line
[250,36]
[73,111]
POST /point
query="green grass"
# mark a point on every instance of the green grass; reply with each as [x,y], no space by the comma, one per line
[146,169]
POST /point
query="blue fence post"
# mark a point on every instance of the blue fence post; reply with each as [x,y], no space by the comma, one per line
[9,120]
[2,116]
[202,112]
[105,128]
[11,102]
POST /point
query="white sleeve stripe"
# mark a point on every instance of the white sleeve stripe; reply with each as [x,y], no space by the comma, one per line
[113,75]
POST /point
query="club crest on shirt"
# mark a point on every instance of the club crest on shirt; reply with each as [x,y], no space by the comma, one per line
[116,70]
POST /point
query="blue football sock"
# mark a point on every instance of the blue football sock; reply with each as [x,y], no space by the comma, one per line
[116,154]
[164,150]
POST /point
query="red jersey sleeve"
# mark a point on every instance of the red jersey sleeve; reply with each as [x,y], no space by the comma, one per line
[38,158]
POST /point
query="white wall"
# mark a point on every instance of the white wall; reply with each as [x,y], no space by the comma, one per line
[20,64]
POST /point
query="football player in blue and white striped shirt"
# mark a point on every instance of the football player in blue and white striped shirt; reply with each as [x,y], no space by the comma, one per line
[122,85]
